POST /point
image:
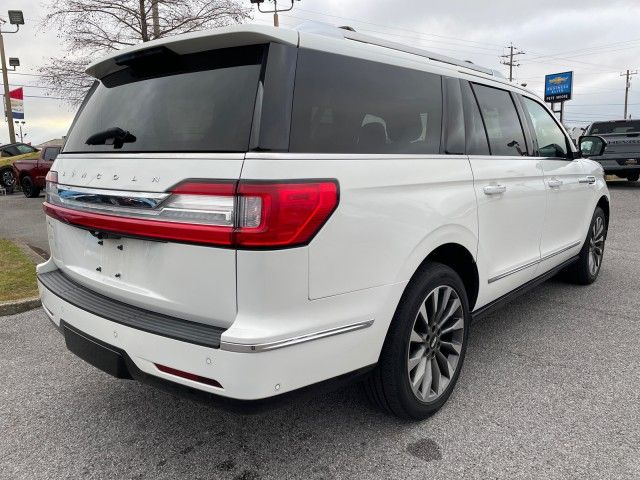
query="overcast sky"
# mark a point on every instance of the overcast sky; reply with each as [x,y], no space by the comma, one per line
[596,39]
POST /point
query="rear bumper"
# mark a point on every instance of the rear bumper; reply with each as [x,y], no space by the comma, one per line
[248,375]
[117,363]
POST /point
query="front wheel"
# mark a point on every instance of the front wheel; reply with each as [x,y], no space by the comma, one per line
[634,177]
[7,179]
[423,353]
[586,269]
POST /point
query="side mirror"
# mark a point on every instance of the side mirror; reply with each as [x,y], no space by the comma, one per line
[592,145]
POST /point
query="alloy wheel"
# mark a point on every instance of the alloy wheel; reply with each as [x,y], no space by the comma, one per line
[7,178]
[435,343]
[596,246]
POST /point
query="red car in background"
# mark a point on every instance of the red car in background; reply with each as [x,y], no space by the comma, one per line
[30,173]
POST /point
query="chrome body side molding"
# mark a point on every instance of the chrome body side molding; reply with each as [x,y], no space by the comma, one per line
[531,264]
[287,342]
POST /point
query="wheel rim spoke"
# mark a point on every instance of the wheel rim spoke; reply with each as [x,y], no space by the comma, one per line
[455,305]
[451,347]
[415,359]
[415,337]
[417,378]
[427,380]
[457,325]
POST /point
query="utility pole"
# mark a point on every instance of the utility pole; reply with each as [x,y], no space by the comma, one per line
[7,100]
[629,74]
[155,19]
[512,62]
[15,18]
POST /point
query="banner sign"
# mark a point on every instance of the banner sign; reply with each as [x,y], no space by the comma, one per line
[558,87]
[17,103]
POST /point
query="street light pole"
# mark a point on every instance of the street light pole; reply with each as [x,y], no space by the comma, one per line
[7,100]
[275,10]
[15,18]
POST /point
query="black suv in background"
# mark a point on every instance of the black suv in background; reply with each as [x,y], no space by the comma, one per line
[621,157]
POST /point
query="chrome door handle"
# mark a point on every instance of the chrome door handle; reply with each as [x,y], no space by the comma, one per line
[555,183]
[494,189]
[590,179]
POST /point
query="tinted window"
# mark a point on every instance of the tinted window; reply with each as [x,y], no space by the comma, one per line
[50,153]
[476,135]
[551,140]
[454,132]
[501,121]
[621,126]
[196,102]
[21,149]
[347,105]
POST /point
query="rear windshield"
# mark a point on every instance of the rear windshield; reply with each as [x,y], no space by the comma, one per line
[199,102]
[615,127]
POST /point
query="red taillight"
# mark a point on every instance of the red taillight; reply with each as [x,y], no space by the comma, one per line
[52,176]
[292,213]
[188,376]
[248,214]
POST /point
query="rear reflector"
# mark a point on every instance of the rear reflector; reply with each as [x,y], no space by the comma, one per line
[189,376]
[245,214]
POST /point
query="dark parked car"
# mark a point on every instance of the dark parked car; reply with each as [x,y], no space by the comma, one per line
[621,157]
[8,154]
[30,172]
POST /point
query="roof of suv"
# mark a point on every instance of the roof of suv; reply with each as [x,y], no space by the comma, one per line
[250,34]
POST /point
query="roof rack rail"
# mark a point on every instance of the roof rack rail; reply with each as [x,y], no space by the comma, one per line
[349,33]
[436,57]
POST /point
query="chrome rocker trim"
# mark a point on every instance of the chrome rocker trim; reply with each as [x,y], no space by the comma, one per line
[531,264]
[287,342]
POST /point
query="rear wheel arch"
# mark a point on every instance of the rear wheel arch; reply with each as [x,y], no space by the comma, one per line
[459,259]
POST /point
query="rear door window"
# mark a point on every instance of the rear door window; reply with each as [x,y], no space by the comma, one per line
[551,141]
[501,121]
[50,153]
[201,102]
[476,135]
[348,105]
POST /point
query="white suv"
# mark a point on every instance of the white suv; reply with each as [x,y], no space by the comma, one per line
[253,210]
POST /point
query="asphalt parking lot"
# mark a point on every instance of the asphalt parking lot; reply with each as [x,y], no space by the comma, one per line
[550,389]
[22,218]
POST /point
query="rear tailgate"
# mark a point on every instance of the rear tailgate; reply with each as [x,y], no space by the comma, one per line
[194,282]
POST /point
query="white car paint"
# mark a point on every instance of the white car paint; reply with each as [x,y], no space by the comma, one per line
[394,210]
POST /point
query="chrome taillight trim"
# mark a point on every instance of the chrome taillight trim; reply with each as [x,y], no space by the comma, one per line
[102,199]
[144,205]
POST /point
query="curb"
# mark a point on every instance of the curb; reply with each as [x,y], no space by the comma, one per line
[13,307]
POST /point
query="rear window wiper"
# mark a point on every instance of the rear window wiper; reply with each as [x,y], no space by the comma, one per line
[112,136]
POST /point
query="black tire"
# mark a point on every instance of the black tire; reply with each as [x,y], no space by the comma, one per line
[582,272]
[7,179]
[634,177]
[388,386]
[28,188]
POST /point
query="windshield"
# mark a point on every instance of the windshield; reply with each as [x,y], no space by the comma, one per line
[199,102]
[622,126]
[22,149]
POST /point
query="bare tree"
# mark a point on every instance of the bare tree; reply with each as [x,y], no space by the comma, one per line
[91,28]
